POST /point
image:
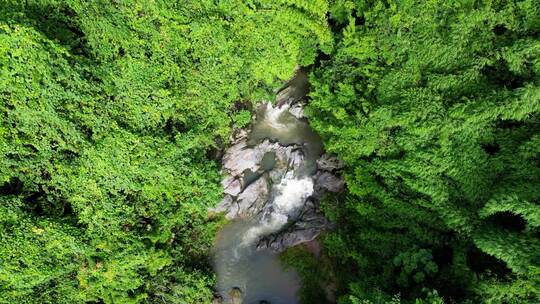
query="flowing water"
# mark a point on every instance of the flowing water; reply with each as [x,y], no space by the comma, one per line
[258,273]
[238,263]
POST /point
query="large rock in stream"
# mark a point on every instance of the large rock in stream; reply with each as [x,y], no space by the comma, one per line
[251,201]
[236,296]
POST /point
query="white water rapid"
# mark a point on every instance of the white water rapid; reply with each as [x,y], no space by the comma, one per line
[291,195]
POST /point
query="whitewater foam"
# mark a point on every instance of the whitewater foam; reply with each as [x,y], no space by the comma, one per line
[292,192]
[273,116]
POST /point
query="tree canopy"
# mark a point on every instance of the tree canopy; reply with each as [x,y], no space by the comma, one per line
[113,116]
[434,106]
[111,113]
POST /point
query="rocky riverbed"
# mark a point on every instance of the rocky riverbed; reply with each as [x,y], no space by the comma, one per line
[274,176]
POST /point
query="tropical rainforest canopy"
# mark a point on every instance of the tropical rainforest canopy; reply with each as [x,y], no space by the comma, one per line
[113,114]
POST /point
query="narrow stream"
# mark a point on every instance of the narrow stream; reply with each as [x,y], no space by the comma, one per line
[242,268]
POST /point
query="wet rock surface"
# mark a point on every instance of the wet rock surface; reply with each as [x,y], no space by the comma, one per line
[326,181]
[329,163]
[236,295]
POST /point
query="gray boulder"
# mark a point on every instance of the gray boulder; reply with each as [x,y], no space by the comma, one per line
[231,185]
[252,200]
[330,182]
[329,162]
[224,206]
[236,296]
[240,157]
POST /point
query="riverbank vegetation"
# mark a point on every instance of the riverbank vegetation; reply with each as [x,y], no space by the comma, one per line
[435,108]
[113,115]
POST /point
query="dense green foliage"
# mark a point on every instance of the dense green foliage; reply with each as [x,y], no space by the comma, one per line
[315,272]
[111,113]
[435,108]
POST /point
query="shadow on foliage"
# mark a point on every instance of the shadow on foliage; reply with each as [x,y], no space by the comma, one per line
[12,187]
[499,75]
[481,263]
[508,221]
[58,23]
